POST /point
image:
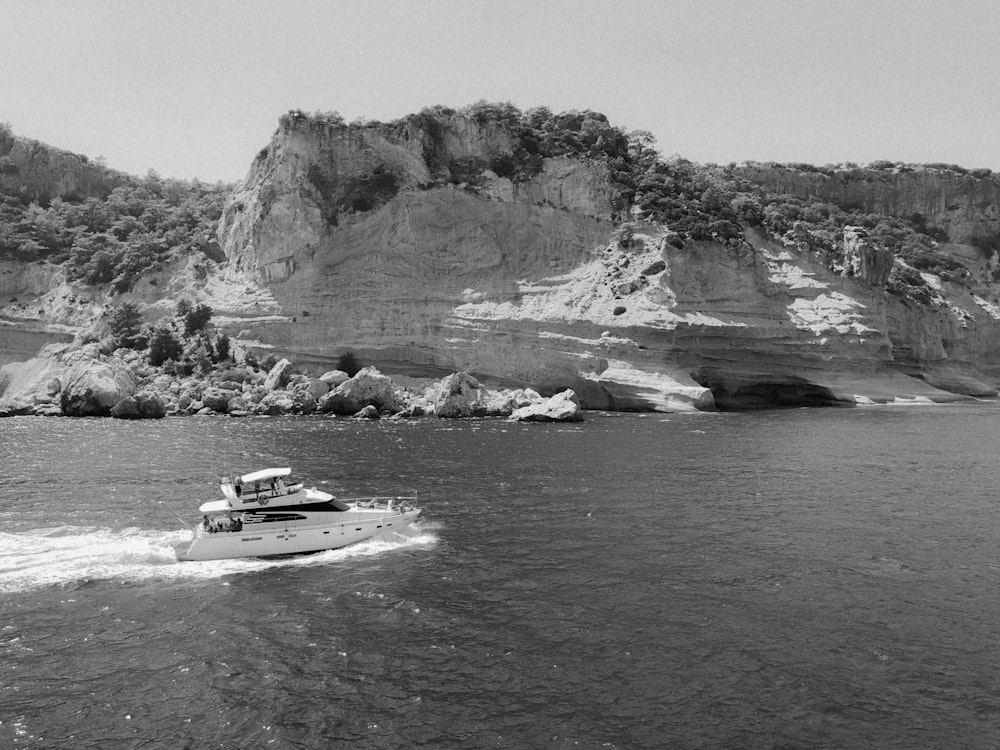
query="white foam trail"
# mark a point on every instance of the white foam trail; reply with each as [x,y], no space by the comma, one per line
[70,555]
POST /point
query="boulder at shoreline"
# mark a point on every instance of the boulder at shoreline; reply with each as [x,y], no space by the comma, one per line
[563,407]
[93,385]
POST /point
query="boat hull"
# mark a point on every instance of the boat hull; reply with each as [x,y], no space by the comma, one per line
[296,537]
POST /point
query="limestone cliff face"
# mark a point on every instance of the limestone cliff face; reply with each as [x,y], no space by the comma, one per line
[316,180]
[38,172]
[364,247]
[965,206]
[26,322]
[864,260]
[421,249]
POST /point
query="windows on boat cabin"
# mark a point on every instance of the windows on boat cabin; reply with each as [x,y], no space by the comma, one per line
[273,517]
[272,487]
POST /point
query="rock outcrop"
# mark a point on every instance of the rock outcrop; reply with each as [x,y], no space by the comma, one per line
[93,385]
[864,260]
[142,405]
[459,396]
[368,387]
[32,386]
[217,399]
[36,172]
[279,375]
[562,407]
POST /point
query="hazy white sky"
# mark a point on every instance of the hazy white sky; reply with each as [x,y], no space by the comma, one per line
[194,89]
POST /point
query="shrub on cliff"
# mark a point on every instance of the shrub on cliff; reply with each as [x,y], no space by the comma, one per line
[125,326]
[164,344]
[908,284]
[222,348]
[195,317]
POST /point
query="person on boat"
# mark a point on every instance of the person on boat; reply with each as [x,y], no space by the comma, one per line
[206,523]
[256,487]
[238,486]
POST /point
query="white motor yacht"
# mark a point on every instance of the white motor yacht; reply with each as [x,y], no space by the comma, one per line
[263,514]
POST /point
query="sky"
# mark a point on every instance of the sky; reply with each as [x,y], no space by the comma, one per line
[195,89]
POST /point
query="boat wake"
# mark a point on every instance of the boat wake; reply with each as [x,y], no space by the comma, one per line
[72,556]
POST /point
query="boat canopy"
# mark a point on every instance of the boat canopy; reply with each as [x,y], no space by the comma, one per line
[214,506]
[264,474]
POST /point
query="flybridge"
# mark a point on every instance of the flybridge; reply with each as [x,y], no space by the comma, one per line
[260,488]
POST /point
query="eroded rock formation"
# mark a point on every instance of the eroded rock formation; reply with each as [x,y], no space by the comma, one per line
[562,407]
[93,385]
[412,246]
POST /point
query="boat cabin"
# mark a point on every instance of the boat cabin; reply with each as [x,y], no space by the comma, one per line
[270,488]
[259,488]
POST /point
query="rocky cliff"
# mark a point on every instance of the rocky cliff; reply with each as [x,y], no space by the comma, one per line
[531,281]
[38,172]
[963,204]
[452,242]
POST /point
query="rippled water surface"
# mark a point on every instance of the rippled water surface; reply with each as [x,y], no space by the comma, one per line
[820,578]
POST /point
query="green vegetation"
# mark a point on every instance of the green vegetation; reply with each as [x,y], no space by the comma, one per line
[164,344]
[184,340]
[115,239]
[223,347]
[194,317]
[820,226]
[534,135]
[125,323]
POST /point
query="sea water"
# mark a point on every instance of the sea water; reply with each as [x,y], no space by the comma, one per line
[802,578]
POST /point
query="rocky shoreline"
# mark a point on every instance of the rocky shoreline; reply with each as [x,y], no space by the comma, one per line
[83,381]
[527,248]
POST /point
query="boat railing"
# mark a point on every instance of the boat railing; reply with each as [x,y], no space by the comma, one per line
[387,502]
[221,525]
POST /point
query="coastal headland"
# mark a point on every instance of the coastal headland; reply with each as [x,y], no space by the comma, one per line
[499,256]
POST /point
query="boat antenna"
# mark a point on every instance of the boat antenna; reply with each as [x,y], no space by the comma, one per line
[175,514]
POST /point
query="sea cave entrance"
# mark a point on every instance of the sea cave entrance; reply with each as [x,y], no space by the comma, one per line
[743,393]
